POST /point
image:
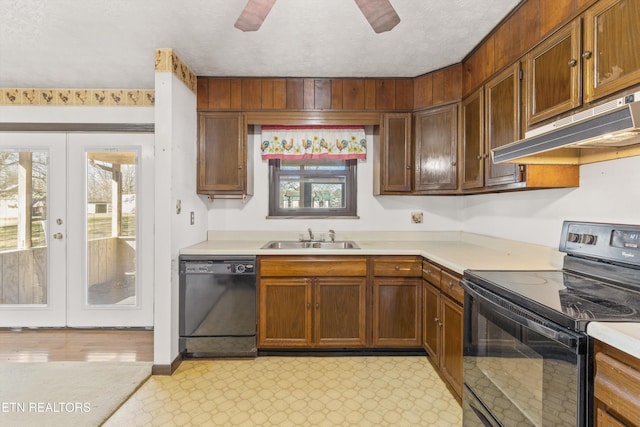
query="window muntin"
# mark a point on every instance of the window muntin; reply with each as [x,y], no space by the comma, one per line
[315,188]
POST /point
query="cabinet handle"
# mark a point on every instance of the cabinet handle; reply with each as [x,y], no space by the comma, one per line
[586,54]
[453,163]
[317,306]
[451,285]
[479,157]
[572,62]
[396,268]
[308,305]
[435,320]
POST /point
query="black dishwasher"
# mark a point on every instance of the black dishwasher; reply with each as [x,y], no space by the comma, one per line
[217,306]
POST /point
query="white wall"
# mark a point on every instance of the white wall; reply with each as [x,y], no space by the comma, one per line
[376,213]
[175,157]
[609,192]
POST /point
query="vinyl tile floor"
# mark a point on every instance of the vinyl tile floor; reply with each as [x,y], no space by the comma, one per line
[294,391]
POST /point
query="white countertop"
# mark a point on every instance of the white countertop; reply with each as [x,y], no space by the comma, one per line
[623,336]
[455,250]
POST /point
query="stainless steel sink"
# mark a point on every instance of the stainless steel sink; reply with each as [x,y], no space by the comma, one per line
[294,244]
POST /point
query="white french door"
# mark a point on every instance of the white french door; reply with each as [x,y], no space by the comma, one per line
[76,230]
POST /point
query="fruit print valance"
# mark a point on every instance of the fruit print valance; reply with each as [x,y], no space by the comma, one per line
[313,142]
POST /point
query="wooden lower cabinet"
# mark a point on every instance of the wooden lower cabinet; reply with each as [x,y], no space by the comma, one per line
[442,323]
[431,321]
[397,301]
[312,312]
[285,313]
[340,312]
[339,302]
[616,387]
[396,312]
[451,350]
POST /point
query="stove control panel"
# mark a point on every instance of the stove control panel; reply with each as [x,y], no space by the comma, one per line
[611,242]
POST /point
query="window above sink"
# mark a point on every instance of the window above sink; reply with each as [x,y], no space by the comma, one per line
[312,188]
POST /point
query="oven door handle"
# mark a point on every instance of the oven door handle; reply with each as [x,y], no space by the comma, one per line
[524,318]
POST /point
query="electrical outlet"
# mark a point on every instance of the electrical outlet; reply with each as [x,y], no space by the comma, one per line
[416,217]
[193,217]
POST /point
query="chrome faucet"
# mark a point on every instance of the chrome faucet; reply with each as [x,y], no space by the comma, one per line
[310,234]
[332,235]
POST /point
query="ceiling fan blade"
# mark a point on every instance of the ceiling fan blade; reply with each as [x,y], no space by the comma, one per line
[380,14]
[253,14]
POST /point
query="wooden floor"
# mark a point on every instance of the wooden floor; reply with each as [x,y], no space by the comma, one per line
[48,345]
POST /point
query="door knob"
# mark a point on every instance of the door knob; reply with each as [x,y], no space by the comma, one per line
[57,236]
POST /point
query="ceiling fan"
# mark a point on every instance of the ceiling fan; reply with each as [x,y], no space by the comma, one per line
[380,14]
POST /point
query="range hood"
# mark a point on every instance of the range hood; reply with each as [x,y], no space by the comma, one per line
[607,131]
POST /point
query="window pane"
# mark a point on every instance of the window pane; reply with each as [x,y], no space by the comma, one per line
[312,192]
[312,187]
[23,223]
[111,228]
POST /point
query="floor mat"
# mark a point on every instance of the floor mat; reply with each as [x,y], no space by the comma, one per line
[66,393]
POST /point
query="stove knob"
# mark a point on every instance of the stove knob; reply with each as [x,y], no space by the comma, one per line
[240,268]
[573,237]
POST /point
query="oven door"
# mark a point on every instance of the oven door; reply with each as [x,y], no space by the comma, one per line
[520,368]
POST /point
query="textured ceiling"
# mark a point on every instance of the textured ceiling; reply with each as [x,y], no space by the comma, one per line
[111,43]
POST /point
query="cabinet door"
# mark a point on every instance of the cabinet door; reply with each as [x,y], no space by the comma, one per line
[431,321]
[397,318]
[436,153]
[553,74]
[339,312]
[502,123]
[451,350]
[222,156]
[473,140]
[611,47]
[396,153]
[284,312]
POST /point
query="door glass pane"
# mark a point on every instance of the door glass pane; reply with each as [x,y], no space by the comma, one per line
[111,228]
[23,225]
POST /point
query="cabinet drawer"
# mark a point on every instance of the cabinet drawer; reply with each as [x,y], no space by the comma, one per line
[398,266]
[431,273]
[617,385]
[309,266]
[450,285]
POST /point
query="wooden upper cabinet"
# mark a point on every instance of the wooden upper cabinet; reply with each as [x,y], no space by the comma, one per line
[472,117]
[222,154]
[611,47]
[554,74]
[395,153]
[502,122]
[436,149]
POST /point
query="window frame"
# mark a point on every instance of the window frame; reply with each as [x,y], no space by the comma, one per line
[350,194]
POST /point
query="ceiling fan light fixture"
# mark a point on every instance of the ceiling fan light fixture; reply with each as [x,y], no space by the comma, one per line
[380,14]
[254,14]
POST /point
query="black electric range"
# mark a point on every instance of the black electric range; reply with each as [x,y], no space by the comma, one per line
[527,357]
[599,281]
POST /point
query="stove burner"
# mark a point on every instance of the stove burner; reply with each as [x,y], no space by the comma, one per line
[575,311]
[585,306]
